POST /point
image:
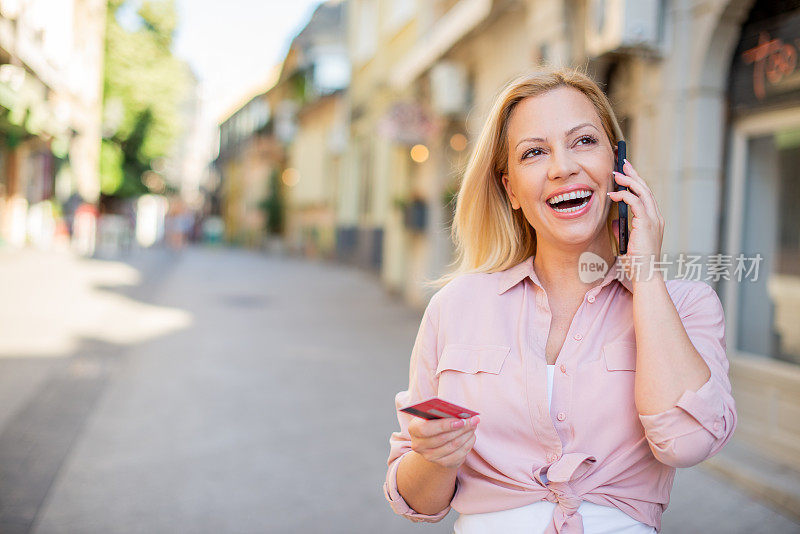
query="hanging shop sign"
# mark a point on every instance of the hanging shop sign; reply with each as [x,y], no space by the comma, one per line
[766,70]
[408,123]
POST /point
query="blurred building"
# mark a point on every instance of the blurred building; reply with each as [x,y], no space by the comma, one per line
[317,66]
[708,95]
[280,153]
[379,33]
[408,113]
[51,63]
[250,158]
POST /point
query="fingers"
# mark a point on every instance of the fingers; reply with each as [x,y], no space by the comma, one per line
[641,190]
[437,441]
[630,171]
[635,203]
[452,447]
[422,428]
[441,439]
[457,456]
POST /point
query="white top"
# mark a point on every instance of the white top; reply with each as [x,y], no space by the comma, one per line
[550,370]
[535,517]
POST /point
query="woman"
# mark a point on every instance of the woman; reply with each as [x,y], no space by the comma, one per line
[590,391]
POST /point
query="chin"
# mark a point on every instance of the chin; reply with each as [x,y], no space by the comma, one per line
[580,238]
[573,241]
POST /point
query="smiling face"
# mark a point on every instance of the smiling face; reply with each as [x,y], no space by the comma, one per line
[560,164]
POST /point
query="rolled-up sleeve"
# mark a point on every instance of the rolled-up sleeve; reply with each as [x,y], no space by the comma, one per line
[702,421]
[422,384]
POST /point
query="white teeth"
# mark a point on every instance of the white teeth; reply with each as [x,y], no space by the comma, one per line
[570,210]
[583,193]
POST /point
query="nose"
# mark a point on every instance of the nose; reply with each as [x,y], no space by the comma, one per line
[561,165]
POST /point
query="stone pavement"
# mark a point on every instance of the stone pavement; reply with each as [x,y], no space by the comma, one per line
[219,390]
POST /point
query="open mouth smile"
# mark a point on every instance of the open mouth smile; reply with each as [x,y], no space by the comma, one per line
[572,202]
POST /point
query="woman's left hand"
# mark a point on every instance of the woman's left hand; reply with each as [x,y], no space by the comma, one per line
[646,222]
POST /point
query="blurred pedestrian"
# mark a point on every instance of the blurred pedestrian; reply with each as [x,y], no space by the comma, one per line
[590,393]
[84,229]
[178,224]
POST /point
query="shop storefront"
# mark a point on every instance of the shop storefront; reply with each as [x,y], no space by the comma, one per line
[762,222]
[33,145]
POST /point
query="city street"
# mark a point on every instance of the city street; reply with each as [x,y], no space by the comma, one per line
[216,390]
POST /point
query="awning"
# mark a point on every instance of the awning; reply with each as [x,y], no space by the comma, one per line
[451,28]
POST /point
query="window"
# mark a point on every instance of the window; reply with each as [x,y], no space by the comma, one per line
[768,305]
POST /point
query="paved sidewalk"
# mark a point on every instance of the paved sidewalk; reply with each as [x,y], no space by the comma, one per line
[265,406]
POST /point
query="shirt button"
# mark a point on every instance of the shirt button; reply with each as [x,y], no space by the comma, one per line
[561,416]
[590,299]
[563,368]
[717,426]
[577,337]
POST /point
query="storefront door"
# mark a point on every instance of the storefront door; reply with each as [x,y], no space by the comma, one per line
[764,228]
[762,308]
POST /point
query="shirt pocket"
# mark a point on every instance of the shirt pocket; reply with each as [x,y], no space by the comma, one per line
[620,356]
[473,359]
[470,375]
[615,401]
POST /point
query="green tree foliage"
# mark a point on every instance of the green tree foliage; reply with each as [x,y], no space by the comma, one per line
[144,85]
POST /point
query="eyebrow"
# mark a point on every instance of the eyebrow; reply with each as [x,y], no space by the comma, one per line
[568,132]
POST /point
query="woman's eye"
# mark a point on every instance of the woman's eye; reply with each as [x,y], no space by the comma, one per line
[531,151]
[589,140]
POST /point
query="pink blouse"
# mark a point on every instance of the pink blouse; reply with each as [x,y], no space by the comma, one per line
[481,344]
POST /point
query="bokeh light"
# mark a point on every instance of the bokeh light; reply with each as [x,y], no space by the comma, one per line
[419,153]
[291,177]
[458,142]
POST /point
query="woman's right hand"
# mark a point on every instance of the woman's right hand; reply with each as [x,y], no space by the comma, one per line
[445,442]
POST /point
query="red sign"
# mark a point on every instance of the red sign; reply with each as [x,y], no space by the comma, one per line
[772,60]
[765,71]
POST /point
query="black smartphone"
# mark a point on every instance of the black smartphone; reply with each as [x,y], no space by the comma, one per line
[621,206]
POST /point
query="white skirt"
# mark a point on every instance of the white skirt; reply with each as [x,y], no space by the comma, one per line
[535,517]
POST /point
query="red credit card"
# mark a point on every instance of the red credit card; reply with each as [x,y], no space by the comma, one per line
[436,408]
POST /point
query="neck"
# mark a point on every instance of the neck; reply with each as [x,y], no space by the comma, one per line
[557,267]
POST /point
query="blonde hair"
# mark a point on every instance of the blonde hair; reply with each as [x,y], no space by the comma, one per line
[488,234]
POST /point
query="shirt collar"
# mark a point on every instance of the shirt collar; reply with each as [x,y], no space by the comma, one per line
[514,275]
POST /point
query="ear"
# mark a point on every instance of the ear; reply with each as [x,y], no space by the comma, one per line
[511,196]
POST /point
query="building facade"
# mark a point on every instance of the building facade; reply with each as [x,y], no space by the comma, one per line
[250,157]
[280,153]
[317,66]
[51,64]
